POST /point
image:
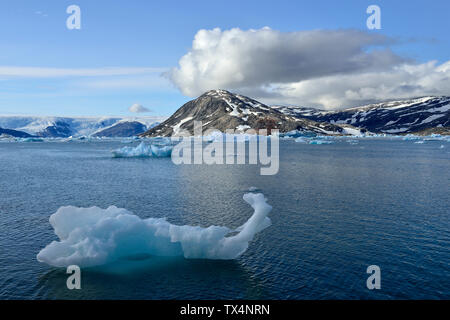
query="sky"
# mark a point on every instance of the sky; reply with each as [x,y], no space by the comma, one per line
[149,57]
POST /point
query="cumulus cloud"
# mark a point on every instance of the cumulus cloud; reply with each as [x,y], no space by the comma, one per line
[138,108]
[323,68]
[333,92]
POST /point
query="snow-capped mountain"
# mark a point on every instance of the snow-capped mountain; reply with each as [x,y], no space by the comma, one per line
[124,129]
[63,127]
[426,114]
[222,110]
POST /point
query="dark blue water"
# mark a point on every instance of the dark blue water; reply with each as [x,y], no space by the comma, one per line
[337,209]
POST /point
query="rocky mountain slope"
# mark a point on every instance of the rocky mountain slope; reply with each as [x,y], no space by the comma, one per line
[123,129]
[420,115]
[222,110]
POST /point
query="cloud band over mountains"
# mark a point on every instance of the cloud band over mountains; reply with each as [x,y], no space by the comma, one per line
[322,68]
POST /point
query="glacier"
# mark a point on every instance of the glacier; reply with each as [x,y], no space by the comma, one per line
[93,236]
[73,126]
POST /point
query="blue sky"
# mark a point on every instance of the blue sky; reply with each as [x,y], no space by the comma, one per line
[141,39]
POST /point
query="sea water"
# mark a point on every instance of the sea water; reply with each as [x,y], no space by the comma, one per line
[336,209]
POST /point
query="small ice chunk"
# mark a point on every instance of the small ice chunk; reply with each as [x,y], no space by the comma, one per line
[320,142]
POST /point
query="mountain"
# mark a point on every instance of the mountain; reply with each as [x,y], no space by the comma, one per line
[222,110]
[421,115]
[63,127]
[123,129]
[60,129]
[14,133]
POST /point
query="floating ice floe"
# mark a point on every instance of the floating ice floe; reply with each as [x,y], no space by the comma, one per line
[300,140]
[31,139]
[95,236]
[320,142]
[299,133]
[143,151]
[410,137]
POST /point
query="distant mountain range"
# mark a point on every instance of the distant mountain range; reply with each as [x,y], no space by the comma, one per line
[420,115]
[221,110]
[63,127]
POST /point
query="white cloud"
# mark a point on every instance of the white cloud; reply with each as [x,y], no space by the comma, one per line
[340,91]
[42,72]
[138,108]
[323,68]
[143,82]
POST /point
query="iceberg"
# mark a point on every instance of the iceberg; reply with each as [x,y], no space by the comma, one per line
[161,151]
[300,140]
[299,133]
[409,137]
[320,142]
[144,151]
[30,139]
[94,236]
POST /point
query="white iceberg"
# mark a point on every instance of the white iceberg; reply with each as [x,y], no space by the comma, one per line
[161,151]
[143,151]
[411,137]
[95,236]
[300,140]
[31,139]
[320,142]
